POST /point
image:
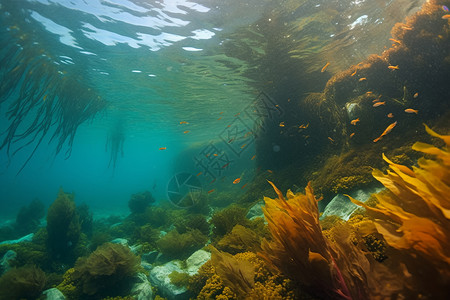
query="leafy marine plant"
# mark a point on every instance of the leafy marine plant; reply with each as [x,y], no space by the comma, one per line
[63,227]
[414,217]
[106,270]
[44,99]
[22,283]
[330,266]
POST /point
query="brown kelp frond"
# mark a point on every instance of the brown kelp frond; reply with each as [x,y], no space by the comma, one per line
[414,217]
[298,247]
[43,99]
[236,274]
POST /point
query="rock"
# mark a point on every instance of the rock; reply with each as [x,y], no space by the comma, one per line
[5,262]
[159,276]
[53,294]
[142,289]
[150,257]
[123,242]
[342,207]
[27,238]
[256,211]
[196,260]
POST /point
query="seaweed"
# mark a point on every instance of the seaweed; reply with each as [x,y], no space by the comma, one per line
[106,271]
[414,216]
[26,282]
[240,239]
[181,246]
[63,227]
[140,201]
[224,220]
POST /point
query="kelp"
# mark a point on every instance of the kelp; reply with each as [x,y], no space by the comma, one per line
[332,266]
[114,143]
[43,99]
[414,216]
[236,274]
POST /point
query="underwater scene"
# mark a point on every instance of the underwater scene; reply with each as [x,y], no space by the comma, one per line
[224,149]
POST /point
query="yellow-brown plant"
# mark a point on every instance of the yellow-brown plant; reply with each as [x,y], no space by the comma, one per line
[414,217]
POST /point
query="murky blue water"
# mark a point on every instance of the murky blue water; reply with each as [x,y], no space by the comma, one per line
[162,63]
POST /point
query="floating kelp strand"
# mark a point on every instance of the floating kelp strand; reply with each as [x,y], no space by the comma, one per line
[44,94]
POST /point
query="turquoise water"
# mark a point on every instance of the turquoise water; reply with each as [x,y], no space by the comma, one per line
[159,63]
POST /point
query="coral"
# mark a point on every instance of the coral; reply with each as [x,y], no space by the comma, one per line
[179,279]
[139,202]
[224,220]
[176,245]
[63,227]
[240,239]
[106,271]
[22,283]
[414,217]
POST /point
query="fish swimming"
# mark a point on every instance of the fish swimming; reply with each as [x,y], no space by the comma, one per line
[353,122]
[237,180]
[386,131]
[376,104]
[325,67]
[411,111]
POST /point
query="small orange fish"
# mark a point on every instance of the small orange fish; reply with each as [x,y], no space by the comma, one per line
[221,113]
[243,146]
[393,67]
[303,126]
[406,27]
[162,148]
[353,122]
[352,134]
[253,157]
[376,100]
[369,93]
[390,115]
[411,111]
[386,131]
[199,173]
[242,187]
[45,97]
[379,104]
[212,181]
[237,114]
[184,122]
[228,126]
[215,154]
[331,140]
[395,41]
[325,67]
[225,165]
[186,131]
[219,118]
[446,17]
[270,171]
[237,180]
[353,74]
[362,79]
[282,124]
[416,95]
[210,191]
